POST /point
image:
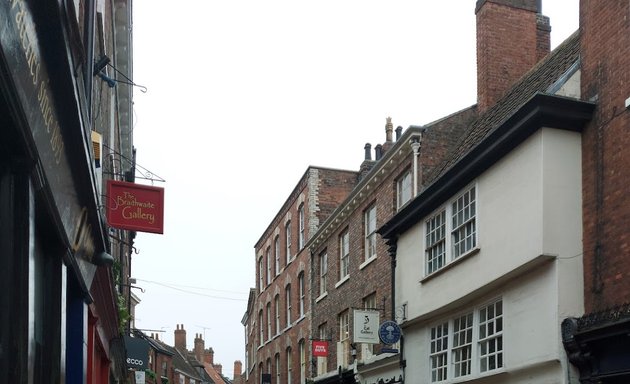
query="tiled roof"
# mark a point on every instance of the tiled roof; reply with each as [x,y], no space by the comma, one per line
[527,106]
[539,79]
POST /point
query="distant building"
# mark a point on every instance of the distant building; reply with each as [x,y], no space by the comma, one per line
[277,321]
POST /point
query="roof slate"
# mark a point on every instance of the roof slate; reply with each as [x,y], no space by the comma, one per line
[538,80]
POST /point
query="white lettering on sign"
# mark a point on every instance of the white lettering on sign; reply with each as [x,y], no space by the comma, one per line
[138,362]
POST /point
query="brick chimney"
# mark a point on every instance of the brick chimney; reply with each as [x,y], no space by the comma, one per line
[238,368]
[180,338]
[208,356]
[218,368]
[199,347]
[512,36]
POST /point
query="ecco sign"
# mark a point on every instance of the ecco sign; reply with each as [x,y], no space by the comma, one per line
[134,362]
[137,352]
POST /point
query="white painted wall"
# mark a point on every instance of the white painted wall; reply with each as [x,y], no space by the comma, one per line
[529,204]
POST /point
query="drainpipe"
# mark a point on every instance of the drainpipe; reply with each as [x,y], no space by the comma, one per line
[415,146]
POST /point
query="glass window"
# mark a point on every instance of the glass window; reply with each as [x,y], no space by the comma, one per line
[438,355]
[287,236]
[464,230]
[289,365]
[451,352]
[277,254]
[370,232]
[436,242]
[269,333]
[322,361]
[302,293]
[403,187]
[323,272]
[302,235]
[261,275]
[276,305]
[288,303]
[491,337]
[261,327]
[459,218]
[462,345]
[344,254]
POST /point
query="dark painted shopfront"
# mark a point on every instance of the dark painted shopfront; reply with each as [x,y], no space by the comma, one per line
[59,321]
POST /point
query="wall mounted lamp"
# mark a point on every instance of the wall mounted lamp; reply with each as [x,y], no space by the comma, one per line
[103,259]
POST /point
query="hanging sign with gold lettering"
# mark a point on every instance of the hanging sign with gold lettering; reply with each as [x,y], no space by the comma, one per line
[135,207]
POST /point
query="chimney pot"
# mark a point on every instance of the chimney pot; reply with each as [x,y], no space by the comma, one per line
[398,132]
[368,151]
[389,128]
[379,151]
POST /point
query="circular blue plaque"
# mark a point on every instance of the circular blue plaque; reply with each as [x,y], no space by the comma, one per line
[389,332]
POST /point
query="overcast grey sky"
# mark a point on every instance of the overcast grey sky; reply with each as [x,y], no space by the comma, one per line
[244,95]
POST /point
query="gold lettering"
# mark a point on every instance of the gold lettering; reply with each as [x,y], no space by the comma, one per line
[83,236]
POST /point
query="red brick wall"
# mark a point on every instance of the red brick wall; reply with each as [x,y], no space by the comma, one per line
[605,45]
[508,43]
[323,190]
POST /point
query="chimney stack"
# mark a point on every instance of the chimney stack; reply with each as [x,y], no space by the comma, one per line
[238,368]
[199,347]
[208,356]
[180,338]
[512,36]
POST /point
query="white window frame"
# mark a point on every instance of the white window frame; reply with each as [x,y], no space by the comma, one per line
[451,231]
[322,361]
[404,189]
[276,304]
[261,273]
[289,368]
[369,303]
[302,292]
[269,333]
[302,347]
[344,254]
[301,227]
[287,236]
[269,275]
[370,232]
[467,345]
[261,324]
[344,339]
[277,371]
[277,253]
[323,273]
[287,291]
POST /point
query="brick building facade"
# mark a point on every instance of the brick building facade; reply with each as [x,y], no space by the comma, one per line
[598,342]
[351,264]
[277,321]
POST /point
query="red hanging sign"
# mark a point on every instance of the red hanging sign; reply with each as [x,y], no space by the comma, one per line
[320,348]
[135,207]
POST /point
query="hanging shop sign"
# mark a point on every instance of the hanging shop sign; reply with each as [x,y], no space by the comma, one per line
[137,353]
[389,332]
[365,326]
[135,207]
[320,348]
